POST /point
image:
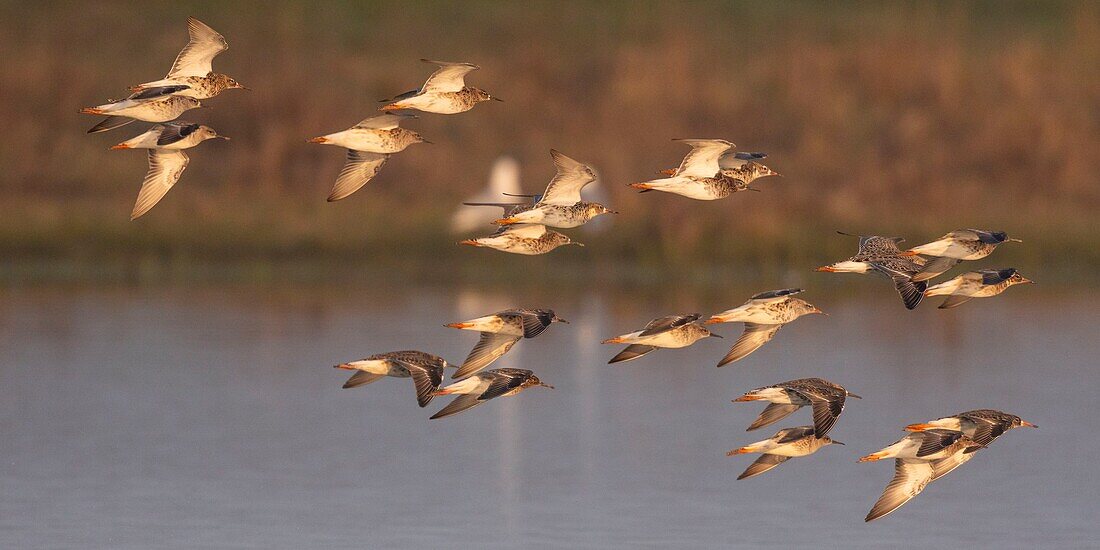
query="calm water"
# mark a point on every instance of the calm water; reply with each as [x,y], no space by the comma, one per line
[190,418]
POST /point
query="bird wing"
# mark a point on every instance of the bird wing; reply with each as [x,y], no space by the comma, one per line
[524,230]
[158,91]
[825,414]
[449,77]
[533,322]
[489,348]
[955,301]
[934,441]
[174,131]
[459,404]
[633,351]
[986,430]
[702,161]
[946,465]
[362,378]
[995,276]
[771,414]
[755,335]
[664,324]
[425,378]
[503,381]
[571,177]
[771,295]
[165,169]
[764,463]
[197,57]
[910,478]
[789,435]
[360,167]
[386,121]
[935,267]
[901,273]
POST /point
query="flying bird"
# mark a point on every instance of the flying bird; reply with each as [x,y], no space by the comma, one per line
[674,331]
[699,175]
[781,447]
[956,246]
[912,475]
[159,108]
[929,444]
[784,398]
[193,67]
[445,92]
[980,425]
[369,144]
[425,369]
[526,239]
[881,255]
[976,284]
[499,332]
[764,314]
[484,386]
[167,160]
[560,205]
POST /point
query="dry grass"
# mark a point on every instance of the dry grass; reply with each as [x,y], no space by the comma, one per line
[901,119]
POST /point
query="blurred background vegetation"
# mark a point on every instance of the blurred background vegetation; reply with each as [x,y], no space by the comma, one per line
[891,118]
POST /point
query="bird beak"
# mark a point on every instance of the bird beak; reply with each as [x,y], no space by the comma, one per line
[835,442]
[826,268]
[545,385]
[850,394]
[1015,241]
[1028,281]
[226,138]
[243,87]
[576,243]
[1027,424]
[821,312]
[612,211]
[495,98]
[713,335]
[560,320]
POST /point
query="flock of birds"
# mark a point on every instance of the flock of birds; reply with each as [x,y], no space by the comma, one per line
[710,171]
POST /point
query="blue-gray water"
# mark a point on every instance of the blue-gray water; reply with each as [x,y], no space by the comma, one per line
[211,417]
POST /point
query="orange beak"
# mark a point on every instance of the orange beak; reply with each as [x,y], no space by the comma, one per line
[1027,424]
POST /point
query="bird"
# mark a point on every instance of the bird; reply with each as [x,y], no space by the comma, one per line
[171,135]
[560,205]
[674,331]
[764,314]
[956,246]
[912,475]
[369,145]
[503,181]
[980,425]
[484,386]
[784,445]
[445,92]
[160,108]
[526,239]
[976,284]
[698,176]
[928,444]
[826,399]
[499,332]
[193,67]
[167,160]
[881,255]
[748,173]
[425,369]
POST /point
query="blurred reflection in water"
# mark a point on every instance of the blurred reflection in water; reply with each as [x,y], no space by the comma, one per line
[211,417]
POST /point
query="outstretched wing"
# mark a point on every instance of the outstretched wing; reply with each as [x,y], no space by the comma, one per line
[571,177]
[764,463]
[771,294]
[633,351]
[360,167]
[664,324]
[702,161]
[165,168]
[426,379]
[489,348]
[449,77]
[771,414]
[910,478]
[460,403]
[386,121]
[197,57]
[172,132]
[755,335]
